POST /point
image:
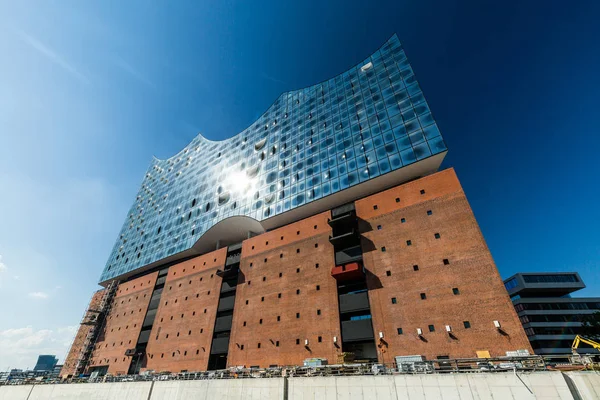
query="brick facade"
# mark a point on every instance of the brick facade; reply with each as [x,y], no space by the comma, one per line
[427,266]
[408,232]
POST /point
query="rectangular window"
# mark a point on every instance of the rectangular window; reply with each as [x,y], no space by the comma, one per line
[393,300]
[467,324]
[422,191]
[258,346]
[437,235]
[402,220]
[397,199]
[431,328]
[415,267]
[388,273]
[423,296]
[446,261]
[399,331]
[278,318]
[318,287]
[375,207]
[455,291]
[378,227]
[320,339]
[297,315]
[383,249]
[409,242]
[277,343]
[429,212]
[297,341]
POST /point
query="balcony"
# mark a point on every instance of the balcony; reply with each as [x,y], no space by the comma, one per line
[226,303]
[347,272]
[233,259]
[349,238]
[220,345]
[229,286]
[229,271]
[354,302]
[354,331]
[223,324]
[349,255]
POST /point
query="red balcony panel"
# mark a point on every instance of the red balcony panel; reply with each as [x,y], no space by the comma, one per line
[347,272]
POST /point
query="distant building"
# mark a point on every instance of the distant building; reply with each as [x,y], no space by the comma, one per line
[550,316]
[45,363]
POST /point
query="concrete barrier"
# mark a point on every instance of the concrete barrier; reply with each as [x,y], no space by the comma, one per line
[476,386]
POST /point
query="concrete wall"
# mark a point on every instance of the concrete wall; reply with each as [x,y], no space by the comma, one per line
[541,385]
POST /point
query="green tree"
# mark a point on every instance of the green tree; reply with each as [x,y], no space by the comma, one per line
[590,327]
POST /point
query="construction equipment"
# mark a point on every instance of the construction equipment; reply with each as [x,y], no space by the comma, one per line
[577,359]
[577,341]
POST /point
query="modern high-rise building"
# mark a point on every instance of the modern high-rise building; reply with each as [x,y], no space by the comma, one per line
[550,316]
[45,363]
[323,230]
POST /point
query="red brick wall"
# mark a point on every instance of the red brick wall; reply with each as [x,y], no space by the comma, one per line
[186,314]
[471,270]
[123,324]
[285,250]
[71,360]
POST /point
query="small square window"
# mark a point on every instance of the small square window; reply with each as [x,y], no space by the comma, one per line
[455,291]
[241,347]
[280,274]
[400,331]
[297,291]
[297,315]
[297,233]
[260,321]
[383,249]
[258,346]
[278,295]
[277,343]
[318,287]
[278,318]
[318,312]
[378,227]
[316,245]
[281,255]
[297,251]
[409,242]
[246,302]
[402,220]
[431,328]
[423,296]
[297,341]
[397,199]
[250,264]
[264,278]
[467,324]
[315,227]
[320,339]
[265,260]
[429,212]
[375,207]
[317,265]
[262,299]
[446,261]
[244,323]
[394,300]
[297,270]
[422,191]
[437,235]
[388,273]
[415,267]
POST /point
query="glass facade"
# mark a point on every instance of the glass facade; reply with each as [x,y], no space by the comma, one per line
[311,143]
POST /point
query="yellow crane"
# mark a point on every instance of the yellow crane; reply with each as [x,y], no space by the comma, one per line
[579,339]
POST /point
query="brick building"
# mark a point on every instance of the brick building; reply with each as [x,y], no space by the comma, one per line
[322,229]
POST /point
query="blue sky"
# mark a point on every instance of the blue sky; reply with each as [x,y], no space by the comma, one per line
[90,91]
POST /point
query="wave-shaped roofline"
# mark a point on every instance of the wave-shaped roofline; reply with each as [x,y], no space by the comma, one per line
[202,138]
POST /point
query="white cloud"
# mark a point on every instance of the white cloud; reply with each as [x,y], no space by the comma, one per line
[38,295]
[3,266]
[20,347]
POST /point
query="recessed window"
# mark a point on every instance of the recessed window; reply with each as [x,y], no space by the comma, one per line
[249,283]
[297,315]
[241,347]
[317,265]
[279,295]
[264,278]
[297,341]
[281,255]
[455,291]
[415,267]
[429,212]
[446,261]
[297,251]
[402,220]
[280,274]
[375,207]
[262,298]
[422,191]
[320,339]
[318,287]
[437,235]
[423,296]
[383,249]
[316,245]
[318,312]
[297,233]
[258,346]
[409,242]
[467,324]
[388,273]
[394,301]
[431,328]
[246,302]
[260,321]
[278,318]
[397,199]
[297,270]
[250,264]
[277,343]
[244,323]
[297,291]
[399,331]
[378,227]
[265,260]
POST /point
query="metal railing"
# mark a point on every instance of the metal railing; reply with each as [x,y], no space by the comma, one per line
[449,366]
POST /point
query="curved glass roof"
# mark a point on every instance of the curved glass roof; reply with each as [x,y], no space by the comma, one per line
[311,143]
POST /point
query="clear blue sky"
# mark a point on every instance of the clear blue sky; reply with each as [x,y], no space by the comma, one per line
[90,91]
